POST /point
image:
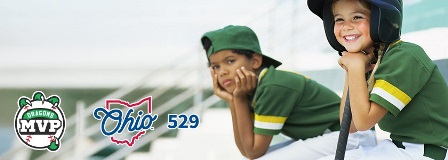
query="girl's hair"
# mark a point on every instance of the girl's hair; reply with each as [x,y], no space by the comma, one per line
[364,3]
[379,49]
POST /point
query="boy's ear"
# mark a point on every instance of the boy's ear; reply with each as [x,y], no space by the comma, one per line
[257,60]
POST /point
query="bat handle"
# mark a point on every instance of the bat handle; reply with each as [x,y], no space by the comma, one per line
[345,128]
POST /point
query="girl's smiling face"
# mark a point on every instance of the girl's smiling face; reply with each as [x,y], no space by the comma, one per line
[352,25]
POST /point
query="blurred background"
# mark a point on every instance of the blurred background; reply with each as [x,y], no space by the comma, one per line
[88,51]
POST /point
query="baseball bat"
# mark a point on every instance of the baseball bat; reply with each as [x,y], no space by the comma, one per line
[345,128]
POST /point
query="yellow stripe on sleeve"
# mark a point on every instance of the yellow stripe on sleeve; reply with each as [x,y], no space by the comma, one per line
[391,93]
[270,119]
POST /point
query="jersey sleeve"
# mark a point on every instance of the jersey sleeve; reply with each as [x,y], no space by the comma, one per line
[399,77]
[272,106]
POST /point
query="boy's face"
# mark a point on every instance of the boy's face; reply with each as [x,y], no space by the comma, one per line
[352,25]
[225,63]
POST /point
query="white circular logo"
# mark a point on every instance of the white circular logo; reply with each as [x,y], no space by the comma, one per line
[40,122]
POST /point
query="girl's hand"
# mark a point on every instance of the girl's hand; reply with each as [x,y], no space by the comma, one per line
[218,90]
[356,60]
[246,81]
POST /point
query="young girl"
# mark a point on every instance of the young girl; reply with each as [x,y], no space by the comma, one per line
[264,101]
[405,92]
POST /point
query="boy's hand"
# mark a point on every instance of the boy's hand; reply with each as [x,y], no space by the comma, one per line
[218,90]
[246,81]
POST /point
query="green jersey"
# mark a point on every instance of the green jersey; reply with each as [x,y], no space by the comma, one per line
[294,105]
[410,86]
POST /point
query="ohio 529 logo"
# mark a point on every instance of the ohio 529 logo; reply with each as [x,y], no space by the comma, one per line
[40,121]
[114,117]
[127,122]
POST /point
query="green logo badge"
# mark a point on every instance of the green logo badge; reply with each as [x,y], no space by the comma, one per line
[40,121]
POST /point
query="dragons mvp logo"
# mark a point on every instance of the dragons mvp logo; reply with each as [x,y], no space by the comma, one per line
[40,122]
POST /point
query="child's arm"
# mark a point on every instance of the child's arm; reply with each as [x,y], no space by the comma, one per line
[235,130]
[254,145]
[364,112]
[226,96]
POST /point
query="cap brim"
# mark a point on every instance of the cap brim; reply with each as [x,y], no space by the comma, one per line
[270,61]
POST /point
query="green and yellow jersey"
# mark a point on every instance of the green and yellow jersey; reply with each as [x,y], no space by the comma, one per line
[294,105]
[410,86]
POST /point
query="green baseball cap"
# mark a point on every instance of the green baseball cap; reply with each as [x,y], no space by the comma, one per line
[236,37]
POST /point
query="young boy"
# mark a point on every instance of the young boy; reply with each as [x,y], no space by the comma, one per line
[264,101]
